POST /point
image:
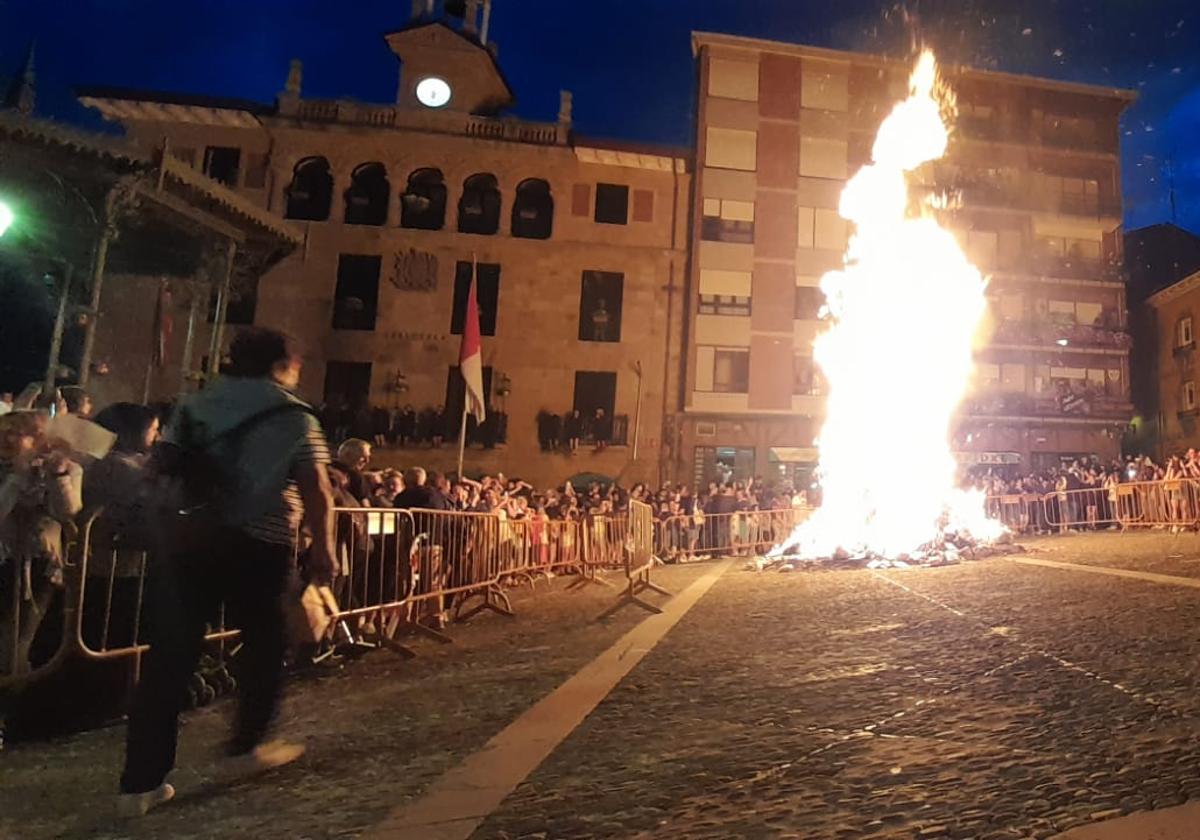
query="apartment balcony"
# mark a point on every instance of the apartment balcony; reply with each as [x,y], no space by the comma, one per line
[1081,403]
[1074,268]
[1053,334]
[1009,195]
[997,131]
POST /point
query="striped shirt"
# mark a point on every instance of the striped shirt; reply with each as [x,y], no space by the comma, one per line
[281,523]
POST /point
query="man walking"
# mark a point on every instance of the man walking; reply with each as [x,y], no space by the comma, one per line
[265,449]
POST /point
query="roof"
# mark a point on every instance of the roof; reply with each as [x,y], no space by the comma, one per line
[1170,227]
[634,155]
[200,100]
[115,103]
[617,145]
[1175,290]
[702,39]
[169,177]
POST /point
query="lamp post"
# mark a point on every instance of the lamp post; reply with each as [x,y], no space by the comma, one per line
[7,217]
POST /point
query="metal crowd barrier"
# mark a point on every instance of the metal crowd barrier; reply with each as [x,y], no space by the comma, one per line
[638,559]
[1167,503]
[744,533]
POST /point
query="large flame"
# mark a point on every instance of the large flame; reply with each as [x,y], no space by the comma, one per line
[897,356]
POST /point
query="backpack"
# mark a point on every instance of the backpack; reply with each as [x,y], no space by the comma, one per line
[199,484]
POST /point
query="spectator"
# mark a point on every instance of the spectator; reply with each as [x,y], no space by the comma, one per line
[573,430]
[77,401]
[119,482]
[438,430]
[404,427]
[602,430]
[6,403]
[417,495]
[391,486]
[41,491]
[353,458]
[381,423]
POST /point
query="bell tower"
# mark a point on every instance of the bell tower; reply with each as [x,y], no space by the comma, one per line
[446,62]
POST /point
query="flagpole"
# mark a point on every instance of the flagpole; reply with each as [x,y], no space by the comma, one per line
[462,437]
[462,429]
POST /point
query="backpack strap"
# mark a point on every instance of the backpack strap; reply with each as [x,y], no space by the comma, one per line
[243,426]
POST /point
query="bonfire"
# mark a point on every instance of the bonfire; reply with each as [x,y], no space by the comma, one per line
[902,317]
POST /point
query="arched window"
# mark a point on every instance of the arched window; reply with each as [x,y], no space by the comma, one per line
[533,210]
[423,205]
[479,207]
[311,191]
[367,198]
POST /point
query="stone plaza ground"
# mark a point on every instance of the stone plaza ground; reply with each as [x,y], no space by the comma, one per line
[989,699]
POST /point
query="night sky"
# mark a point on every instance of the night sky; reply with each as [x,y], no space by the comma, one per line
[629,61]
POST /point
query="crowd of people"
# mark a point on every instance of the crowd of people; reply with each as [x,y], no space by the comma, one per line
[407,427]
[1091,494]
[1089,474]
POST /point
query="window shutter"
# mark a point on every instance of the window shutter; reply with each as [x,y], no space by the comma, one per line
[643,205]
[581,200]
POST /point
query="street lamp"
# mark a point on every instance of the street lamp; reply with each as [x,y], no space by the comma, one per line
[7,217]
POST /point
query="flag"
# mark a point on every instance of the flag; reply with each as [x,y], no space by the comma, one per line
[470,356]
[163,325]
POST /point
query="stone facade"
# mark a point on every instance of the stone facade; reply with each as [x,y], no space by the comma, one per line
[1170,412]
[780,128]
[545,325]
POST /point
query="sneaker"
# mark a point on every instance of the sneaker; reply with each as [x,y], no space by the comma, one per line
[139,804]
[262,758]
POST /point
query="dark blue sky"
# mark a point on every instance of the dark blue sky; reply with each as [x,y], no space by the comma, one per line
[629,61]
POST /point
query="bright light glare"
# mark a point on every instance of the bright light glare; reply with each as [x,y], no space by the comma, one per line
[7,217]
[908,288]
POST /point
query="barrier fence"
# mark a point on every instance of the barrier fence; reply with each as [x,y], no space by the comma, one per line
[399,572]
[1169,503]
[404,572]
[738,533]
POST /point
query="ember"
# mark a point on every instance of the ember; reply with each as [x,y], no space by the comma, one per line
[906,285]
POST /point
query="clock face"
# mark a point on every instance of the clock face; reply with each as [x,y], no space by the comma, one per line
[433,92]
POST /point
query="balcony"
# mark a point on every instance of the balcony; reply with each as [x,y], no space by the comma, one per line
[1064,137]
[1050,333]
[1016,195]
[1075,268]
[1077,140]
[1082,403]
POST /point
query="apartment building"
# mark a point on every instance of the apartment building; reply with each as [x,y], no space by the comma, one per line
[780,127]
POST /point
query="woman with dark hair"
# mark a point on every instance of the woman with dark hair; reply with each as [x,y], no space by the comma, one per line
[117,482]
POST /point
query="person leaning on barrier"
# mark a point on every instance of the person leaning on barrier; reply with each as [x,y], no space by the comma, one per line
[353,458]
[418,495]
[261,455]
[40,494]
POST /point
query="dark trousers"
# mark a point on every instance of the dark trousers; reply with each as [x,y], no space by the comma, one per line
[250,577]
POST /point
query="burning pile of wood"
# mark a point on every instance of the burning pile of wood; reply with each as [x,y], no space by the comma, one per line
[948,550]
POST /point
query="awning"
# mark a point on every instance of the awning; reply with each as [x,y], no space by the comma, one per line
[987,458]
[792,454]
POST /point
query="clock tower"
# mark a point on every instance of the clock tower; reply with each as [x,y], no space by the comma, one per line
[449,68]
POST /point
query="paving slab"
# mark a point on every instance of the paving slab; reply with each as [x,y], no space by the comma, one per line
[1182,823]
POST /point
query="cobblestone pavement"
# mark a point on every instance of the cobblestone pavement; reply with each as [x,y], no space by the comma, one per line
[378,732]
[1159,551]
[984,700]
